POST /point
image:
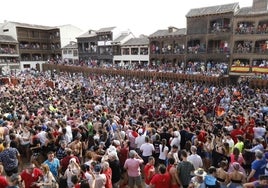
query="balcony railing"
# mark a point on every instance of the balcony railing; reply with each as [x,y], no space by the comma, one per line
[8,51]
[249,69]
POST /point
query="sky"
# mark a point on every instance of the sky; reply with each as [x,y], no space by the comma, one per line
[138,16]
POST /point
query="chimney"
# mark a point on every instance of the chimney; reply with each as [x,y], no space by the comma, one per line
[172,29]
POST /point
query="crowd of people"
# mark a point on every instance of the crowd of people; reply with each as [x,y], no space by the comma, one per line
[109,132]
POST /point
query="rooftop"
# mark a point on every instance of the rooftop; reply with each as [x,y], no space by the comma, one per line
[166,32]
[7,38]
[219,9]
[33,26]
[137,41]
[105,29]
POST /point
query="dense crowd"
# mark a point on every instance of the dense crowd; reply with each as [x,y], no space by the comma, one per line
[110,132]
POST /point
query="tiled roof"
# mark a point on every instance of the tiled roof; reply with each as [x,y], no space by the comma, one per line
[165,32]
[106,29]
[120,37]
[90,33]
[7,38]
[137,41]
[248,11]
[33,26]
[219,9]
[71,45]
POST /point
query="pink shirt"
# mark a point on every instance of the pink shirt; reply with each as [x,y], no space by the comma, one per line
[133,167]
[240,159]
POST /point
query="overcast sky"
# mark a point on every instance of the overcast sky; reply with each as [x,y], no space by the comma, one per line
[139,16]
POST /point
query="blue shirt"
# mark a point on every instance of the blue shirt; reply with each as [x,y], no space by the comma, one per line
[53,166]
[259,167]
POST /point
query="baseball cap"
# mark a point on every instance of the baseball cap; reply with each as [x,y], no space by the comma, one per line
[97,168]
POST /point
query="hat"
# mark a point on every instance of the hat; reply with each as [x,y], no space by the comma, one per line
[72,160]
[200,172]
[97,168]
[140,131]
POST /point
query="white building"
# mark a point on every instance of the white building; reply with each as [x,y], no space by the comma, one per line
[134,52]
[70,53]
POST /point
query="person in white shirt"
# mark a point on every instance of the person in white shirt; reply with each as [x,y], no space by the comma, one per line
[195,159]
[24,138]
[163,152]
[140,140]
[147,150]
[230,141]
[42,136]
[176,140]
[174,154]
[100,179]
[259,130]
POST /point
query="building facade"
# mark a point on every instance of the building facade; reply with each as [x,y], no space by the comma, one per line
[9,55]
[134,53]
[70,54]
[167,48]
[95,46]
[38,44]
[218,40]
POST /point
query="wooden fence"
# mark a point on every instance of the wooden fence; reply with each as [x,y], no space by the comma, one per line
[254,83]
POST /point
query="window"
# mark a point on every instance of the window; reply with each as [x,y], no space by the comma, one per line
[26,66]
[5,30]
[75,54]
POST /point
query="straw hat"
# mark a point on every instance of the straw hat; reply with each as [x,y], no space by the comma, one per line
[200,172]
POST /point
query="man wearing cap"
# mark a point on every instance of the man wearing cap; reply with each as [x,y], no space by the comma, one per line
[198,180]
[100,179]
[140,140]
